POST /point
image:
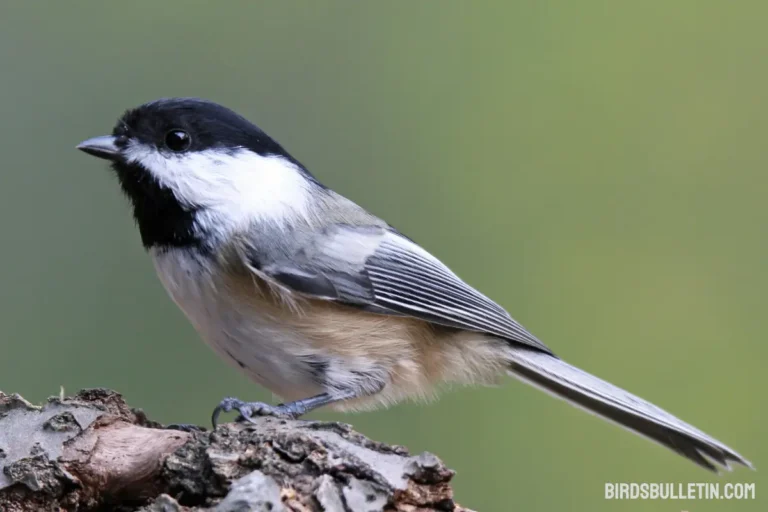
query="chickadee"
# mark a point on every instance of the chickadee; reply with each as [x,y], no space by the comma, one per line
[317,299]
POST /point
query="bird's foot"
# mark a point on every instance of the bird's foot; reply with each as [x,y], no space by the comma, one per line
[250,410]
[184,427]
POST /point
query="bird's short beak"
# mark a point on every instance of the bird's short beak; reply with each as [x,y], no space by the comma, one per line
[102,147]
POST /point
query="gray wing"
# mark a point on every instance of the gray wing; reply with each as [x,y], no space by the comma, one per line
[380,270]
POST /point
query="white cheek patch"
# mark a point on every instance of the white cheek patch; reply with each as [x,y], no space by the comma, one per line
[229,186]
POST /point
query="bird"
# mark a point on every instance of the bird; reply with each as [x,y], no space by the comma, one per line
[317,299]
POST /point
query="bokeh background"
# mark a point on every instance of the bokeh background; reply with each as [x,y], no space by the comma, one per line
[598,168]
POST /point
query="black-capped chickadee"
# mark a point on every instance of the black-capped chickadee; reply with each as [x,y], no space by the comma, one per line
[314,297]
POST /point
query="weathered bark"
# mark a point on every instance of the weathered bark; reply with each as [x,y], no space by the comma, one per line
[93,452]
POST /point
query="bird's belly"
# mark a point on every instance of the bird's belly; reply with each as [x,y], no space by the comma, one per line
[249,339]
[300,347]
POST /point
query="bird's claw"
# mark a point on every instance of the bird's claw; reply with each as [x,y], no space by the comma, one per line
[250,410]
[184,427]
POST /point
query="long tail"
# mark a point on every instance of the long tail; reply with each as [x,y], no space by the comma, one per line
[603,399]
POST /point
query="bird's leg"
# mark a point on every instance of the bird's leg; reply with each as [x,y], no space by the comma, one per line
[339,385]
[291,410]
[184,427]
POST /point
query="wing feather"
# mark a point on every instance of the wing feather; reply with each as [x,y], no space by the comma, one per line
[409,280]
[380,270]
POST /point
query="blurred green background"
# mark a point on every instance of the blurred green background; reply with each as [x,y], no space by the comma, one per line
[598,168]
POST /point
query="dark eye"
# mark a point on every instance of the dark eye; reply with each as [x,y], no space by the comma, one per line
[178,140]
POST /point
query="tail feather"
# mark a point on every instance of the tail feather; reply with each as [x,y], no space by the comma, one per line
[612,403]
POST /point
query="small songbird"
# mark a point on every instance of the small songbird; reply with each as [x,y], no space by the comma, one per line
[317,299]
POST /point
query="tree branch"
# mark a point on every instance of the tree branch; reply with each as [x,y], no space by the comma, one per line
[93,452]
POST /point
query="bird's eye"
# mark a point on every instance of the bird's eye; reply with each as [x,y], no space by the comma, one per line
[178,140]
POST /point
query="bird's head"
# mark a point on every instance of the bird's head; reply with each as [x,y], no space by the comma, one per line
[192,165]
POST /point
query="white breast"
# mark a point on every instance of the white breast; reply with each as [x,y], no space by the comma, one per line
[249,340]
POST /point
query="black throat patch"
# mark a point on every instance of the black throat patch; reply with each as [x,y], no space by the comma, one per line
[163,222]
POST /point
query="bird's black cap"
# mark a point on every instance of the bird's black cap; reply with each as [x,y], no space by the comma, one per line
[209,125]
